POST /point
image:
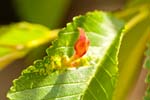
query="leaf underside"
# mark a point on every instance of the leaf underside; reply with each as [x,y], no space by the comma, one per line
[93,79]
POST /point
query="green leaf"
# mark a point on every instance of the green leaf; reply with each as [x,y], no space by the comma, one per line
[16,40]
[94,78]
[147,80]
[132,49]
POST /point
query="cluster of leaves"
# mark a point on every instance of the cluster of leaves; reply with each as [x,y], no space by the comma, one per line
[51,79]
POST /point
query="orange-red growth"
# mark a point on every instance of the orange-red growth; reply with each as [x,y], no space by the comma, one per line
[81,45]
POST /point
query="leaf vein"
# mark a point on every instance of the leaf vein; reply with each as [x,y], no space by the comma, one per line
[92,94]
[105,92]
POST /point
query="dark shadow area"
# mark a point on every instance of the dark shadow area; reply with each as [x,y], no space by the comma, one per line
[7,13]
[79,7]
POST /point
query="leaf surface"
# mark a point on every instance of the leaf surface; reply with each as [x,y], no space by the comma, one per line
[17,39]
[93,78]
[147,66]
[131,53]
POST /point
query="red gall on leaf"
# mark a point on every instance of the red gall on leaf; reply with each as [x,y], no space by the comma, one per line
[81,45]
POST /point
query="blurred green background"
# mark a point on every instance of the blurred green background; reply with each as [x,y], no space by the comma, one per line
[52,13]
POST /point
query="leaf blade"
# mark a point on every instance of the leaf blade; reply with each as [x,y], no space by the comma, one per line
[16,40]
[107,30]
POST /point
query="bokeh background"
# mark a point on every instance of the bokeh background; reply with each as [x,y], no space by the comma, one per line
[52,13]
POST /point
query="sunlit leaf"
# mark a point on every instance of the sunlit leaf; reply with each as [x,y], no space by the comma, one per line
[17,39]
[93,78]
